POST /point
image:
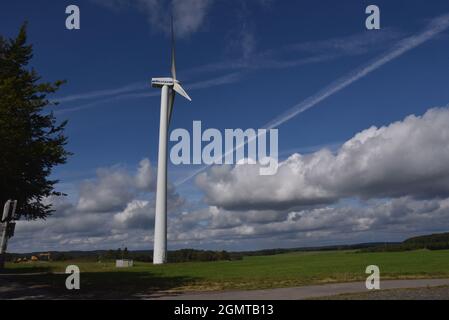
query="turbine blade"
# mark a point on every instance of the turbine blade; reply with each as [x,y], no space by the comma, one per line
[173,51]
[177,87]
[171,102]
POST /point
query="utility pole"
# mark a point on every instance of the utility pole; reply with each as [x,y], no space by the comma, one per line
[7,227]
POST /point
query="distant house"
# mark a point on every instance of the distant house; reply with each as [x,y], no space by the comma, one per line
[46,255]
[124,263]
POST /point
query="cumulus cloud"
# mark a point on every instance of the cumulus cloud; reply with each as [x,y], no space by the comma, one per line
[138,214]
[406,158]
[113,188]
[115,207]
[403,216]
[213,227]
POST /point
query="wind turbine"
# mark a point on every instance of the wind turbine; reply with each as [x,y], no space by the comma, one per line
[169,88]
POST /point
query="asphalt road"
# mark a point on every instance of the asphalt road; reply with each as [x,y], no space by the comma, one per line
[11,288]
[306,292]
[427,293]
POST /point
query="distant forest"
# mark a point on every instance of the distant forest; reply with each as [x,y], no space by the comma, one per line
[439,241]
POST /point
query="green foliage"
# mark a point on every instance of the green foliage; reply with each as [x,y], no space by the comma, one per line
[61,256]
[184,255]
[439,238]
[438,241]
[32,142]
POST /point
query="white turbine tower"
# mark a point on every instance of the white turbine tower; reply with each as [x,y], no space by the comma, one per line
[169,88]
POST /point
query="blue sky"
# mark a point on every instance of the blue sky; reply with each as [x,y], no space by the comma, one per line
[249,60]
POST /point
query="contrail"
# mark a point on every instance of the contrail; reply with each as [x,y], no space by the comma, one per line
[436,26]
[102,93]
[123,93]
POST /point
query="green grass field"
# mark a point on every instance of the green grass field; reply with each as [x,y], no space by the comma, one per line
[284,270]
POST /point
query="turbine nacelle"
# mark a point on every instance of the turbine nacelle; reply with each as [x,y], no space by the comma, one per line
[160,82]
[172,83]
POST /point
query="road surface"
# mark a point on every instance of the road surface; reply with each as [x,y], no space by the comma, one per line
[12,288]
[306,292]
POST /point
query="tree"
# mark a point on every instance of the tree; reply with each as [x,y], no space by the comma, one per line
[31,141]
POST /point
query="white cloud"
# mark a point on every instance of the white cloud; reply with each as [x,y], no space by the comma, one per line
[138,214]
[114,187]
[363,220]
[212,227]
[145,179]
[189,15]
[409,157]
[107,214]
[434,28]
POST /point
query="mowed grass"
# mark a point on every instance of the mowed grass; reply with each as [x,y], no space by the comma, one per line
[284,270]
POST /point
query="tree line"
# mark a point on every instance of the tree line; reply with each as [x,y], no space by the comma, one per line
[439,241]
